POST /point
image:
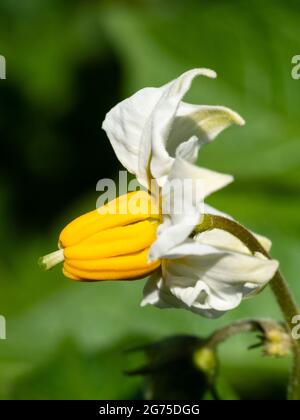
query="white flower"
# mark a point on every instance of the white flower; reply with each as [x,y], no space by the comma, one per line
[157,137]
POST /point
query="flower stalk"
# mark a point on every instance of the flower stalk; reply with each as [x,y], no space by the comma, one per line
[275,338]
[278,285]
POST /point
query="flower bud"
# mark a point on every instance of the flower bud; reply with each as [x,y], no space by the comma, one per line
[277,343]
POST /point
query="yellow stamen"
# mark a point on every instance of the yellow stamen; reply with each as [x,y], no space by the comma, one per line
[111,243]
[138,260]
[69,275]
[91,275]
[129,244]
[116,213]
[121,232]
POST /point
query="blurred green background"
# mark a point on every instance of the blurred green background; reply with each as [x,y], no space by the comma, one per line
[68,63]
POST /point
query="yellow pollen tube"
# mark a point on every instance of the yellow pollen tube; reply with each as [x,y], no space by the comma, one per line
[110,243]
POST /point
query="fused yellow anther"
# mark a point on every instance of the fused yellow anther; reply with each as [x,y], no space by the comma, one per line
[112,273]
[122,211]
[111,243]
[129,242]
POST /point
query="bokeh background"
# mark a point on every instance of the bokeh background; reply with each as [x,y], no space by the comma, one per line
[68,63]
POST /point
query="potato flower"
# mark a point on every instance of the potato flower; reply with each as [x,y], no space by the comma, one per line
[157,137]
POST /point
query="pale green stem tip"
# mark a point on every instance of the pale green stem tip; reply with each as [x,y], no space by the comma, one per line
[49,261]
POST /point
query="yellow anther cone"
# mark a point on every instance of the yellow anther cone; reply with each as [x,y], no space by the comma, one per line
[111,243]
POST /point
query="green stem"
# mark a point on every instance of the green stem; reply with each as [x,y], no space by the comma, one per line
[264,326]
[279,286]
[239,327]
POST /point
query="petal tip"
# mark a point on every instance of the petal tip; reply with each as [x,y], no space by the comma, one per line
[240,120]
[104,123]
[208,72]
[236,118]
[143,303]
[276,265]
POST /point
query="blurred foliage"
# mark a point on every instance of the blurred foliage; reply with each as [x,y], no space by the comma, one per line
[178,368]
[67,64]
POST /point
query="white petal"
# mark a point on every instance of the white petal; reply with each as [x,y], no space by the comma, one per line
[151,290]
[159,126]
[211,281]
[222,239]
[155,294]
[204,122]
[212,210]
[139,126]
[188,150]
[182,201]
[265,242]
[238,266]
[145,128]
[124,125]
[181,291]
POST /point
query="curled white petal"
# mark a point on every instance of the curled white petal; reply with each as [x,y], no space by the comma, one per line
[208,280]
[158,129]
[201,121]
[146,128]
